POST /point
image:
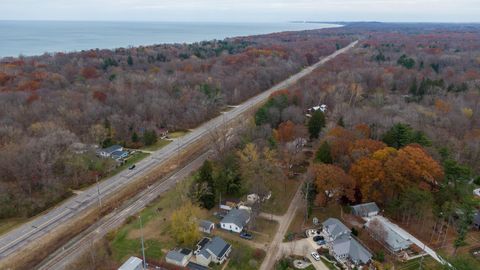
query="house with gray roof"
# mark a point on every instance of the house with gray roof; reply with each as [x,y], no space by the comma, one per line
[347,248]
[216,251]
[365,209]
[333,229]
[179,257]
[235,220]
[206,226]
[385,231]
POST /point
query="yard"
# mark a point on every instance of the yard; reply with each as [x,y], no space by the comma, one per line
[10,223]
[427,263]
[243,257]
[134,158]
[158,145]
[282,194]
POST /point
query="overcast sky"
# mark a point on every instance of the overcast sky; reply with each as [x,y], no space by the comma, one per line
[243,10]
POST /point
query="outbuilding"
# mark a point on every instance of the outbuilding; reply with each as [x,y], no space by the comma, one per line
[365,209]
[133,263]
[179,257]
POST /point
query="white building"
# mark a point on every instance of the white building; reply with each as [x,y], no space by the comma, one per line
[133,263]
[235,220]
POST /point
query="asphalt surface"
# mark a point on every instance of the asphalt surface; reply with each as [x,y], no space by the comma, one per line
[18,238]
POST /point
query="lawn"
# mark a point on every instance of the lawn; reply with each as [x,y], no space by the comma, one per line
[243,257]
[10,223]
[298,224]
[158,145]
[328,264]
[282,194]
[262,233]
[427,263]
[178,134]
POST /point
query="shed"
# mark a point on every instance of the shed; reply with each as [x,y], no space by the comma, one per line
[133,263]
[179,257]
[206,226]
[366,209]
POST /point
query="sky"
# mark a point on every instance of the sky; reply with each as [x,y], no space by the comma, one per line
[243,10]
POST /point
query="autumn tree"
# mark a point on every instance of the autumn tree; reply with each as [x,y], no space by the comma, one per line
[285,132]
[332,183]
[184,224]
[370,179]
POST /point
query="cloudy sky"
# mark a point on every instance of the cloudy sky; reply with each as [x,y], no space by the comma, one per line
[243,10]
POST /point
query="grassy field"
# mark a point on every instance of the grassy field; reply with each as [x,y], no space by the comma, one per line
[158,145]
[282,195]
[427,263]
[243,257]
[8,224]
[134,158]
[178,134]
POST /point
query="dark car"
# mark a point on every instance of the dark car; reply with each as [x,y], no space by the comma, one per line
[318,238]
[246,235]
[131,167]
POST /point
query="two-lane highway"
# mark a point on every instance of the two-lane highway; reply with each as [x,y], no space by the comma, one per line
[20,237]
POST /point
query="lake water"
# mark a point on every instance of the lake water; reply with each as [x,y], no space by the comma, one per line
[38,37]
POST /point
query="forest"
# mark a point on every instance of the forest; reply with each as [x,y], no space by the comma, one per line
[52,102]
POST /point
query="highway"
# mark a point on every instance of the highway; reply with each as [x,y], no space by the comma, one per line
[18,238]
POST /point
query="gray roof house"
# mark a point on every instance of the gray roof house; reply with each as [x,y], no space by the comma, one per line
[365,209]
[476,220]
[235,220]
[216,250]
[179,257]
[206,226]
[388,234]
[345,247]
[334,228]
[107,152]
[133,263]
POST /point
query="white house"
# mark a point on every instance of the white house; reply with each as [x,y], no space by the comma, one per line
[235,220]
[215,250]
[133,263]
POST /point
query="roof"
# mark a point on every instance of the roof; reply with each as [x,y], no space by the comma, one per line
[204,253]
[119,153]
[206,224]
[112,148]
[217,246]
[348,245]
[203,242]
[335,227]
[131,264]
[393,238]
[175,255]
[195,266]
[239,217]
[365,208]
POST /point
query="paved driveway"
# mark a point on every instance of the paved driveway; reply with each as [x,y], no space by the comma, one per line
[303,248]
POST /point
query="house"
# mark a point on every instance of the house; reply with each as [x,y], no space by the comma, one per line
[206,226]
[215,250]
[252,198]
[322,108]
[380,227]
[235,220]
[346,247]
[117,155]
[365,209]
[133,263]
[333,229]
[162,133]
[179,257]
[476,220]
[107,152]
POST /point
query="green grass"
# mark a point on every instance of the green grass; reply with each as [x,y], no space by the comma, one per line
[158,145]
[123,247]
[134,158]
[328,264]
[428,263]
[178,134]
[243,257]
[10,223]
[282,195]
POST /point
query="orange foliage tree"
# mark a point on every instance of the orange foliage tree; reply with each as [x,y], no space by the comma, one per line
[285,132]
[370,179]
[365,148]
[332,183]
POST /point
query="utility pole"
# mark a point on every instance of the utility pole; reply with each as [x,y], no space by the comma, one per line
[421,261]
[307,191]
[98,192]
[143,246]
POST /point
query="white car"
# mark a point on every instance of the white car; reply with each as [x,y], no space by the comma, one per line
[315,256]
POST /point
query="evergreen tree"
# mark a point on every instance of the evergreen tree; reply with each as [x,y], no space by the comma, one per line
[149,137]
[135,137]
[130,60]
[324,154]
[316,123]
[341,122]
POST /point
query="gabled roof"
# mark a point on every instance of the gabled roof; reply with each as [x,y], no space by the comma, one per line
[204,253]
[131,264]
[217,247]
[175,255]
[239,217]
[205,224]
[112,148]
[335,227]
[356,252]
[365,208]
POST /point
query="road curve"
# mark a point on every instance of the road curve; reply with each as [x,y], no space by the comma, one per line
[18,238]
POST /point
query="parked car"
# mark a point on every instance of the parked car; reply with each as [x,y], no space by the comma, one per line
[246,235]
[132,167]
[318,238]
[315,256]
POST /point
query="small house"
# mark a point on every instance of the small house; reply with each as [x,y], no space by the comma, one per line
[162,133]
[179,257]
[365,209]
[235,220]
[334,228]
[215,250]
[107,152]
[133,263]
[206,226]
